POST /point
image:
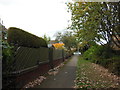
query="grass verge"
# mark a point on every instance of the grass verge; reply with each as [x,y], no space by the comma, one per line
[90,75]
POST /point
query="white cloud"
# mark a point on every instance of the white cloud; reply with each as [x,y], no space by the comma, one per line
[35,16]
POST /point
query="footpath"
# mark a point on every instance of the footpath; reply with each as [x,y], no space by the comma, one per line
[64,78]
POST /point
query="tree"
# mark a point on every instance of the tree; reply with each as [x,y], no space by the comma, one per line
[47,39]
[58,45]
[58,36]
[94,21]
[85,20]
[68,39]
[110,22]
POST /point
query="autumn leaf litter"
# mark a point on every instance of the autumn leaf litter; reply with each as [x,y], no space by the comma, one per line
[40,79]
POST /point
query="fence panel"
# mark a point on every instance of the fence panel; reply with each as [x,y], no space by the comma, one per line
[57,54]
[43,54]
[28,57]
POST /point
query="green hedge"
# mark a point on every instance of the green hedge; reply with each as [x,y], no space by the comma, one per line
[104,55]
[98,52]
[20,37]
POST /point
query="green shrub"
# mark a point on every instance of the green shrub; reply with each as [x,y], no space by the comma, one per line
[20,37]
[90,53]
[97,52]
[7,57]
[104,56]
[115,64]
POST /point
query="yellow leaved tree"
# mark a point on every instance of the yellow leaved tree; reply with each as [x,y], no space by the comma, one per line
[59,45]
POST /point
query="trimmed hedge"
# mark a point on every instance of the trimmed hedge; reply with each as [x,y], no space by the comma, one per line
[20,37]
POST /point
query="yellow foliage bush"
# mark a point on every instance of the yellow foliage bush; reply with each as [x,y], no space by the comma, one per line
[58,45]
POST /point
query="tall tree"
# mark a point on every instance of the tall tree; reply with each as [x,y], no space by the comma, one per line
[110,22]
[85,20]
[95,21]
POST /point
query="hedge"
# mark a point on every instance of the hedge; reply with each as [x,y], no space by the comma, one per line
[20,37]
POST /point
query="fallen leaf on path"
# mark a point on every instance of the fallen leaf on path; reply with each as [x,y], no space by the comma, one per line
[37,81]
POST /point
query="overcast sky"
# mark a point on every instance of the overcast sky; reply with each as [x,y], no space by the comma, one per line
[38,17]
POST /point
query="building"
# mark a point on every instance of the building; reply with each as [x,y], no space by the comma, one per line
[51,43]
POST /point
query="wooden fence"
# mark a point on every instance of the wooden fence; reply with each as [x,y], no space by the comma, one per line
[31,62]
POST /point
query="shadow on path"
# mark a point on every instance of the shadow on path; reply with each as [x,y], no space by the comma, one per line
[64,79]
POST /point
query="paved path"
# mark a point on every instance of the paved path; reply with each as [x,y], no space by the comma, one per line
[64,78]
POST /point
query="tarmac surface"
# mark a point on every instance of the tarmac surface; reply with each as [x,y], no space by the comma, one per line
[64,78]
